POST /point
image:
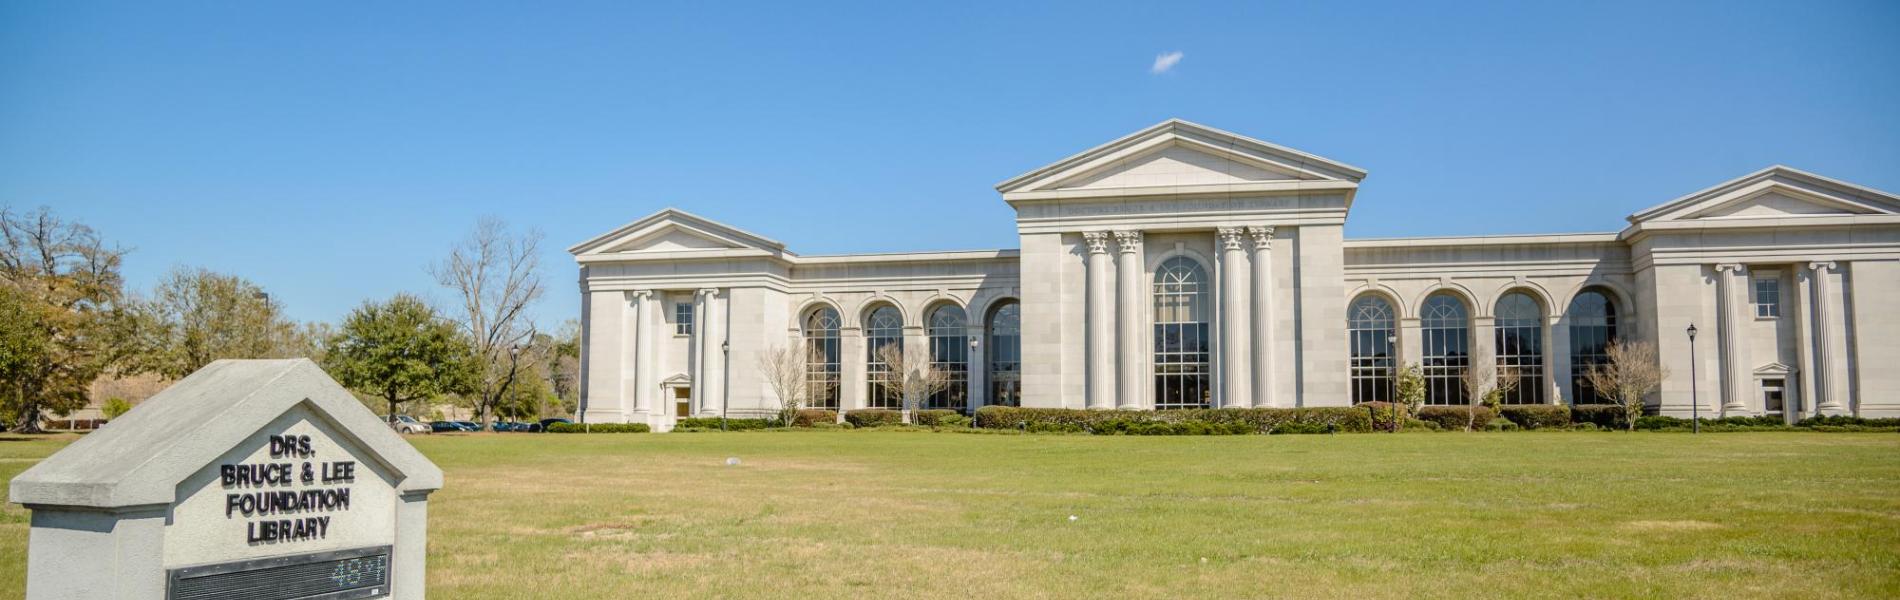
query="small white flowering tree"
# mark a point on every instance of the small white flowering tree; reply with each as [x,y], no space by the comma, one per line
[912,376]
[785,369]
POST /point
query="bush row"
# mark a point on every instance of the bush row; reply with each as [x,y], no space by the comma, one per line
[1176,422]
[884,417]
[600,428]
[712,423]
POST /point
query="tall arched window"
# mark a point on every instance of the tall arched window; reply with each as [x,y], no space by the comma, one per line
[950,355]
[1006,355]
[1520,339]
[883,328]
[1445,331]
[1592,327]
[1369,326]
[1181,343]
[821,358]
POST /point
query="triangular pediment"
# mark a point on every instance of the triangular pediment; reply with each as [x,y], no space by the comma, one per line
[1181,154]
[673,230]
[1774,369]
[1773,193]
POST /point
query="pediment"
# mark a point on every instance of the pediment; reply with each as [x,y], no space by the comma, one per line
[1181,154]
[1773,193]
[673,230]
[1774,369]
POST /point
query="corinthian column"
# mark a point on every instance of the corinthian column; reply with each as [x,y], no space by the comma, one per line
[1731,322]
[1233,311]
[1262,315]
[1100,387]
[1128,300]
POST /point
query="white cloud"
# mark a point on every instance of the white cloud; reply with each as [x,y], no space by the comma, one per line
[1166,61]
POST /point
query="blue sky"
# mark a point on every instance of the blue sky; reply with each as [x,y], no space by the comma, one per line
[330,151]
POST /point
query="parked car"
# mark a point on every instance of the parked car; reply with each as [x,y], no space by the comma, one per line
[545,423]
[406,424]
[510,426]
[468,425]
[453,426]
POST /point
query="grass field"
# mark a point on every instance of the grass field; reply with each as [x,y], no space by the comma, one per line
[905,514]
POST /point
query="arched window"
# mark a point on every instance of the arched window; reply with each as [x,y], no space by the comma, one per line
[1181,342]
[1445,332]
[1592,327]
[821,358]
[1369,326]
[883,328]
[950,355]
[1006,355]
[1520,339]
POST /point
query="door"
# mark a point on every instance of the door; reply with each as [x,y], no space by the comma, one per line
[682,402]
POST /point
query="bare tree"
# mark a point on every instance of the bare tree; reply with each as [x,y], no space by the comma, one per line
[913,376]
[497,276]
[785,369]
[1485,385]
[1632,372]
[64,319]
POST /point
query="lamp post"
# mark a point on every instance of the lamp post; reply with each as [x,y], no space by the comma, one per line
[725,351]
[978,359]
[1695,414]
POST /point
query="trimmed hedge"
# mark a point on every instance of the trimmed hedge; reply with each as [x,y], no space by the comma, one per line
[1847,421]
[731,424]
[1456,416]
[935,417]
[1381,414]
[810,417]
[1607,416]
[1537,416]
[600,428]
[1177,422]
[873,417]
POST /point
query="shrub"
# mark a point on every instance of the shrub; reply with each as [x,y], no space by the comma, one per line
[1455,416]
[1422,425]
[812,417]
[1847,421]
[1584,427]
[1383,415]
[873,417]
[1605,416]
[712,424]
[934,417]
[599,428]
[1537,416]
[114,407]
[1501,424]
[1190,422]
[952,421]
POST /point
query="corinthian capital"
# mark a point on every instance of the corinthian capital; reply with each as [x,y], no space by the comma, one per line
[1262,236]
[1097,241]
[1229,237]
[1128,241]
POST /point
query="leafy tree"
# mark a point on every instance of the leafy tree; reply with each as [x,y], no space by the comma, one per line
[399,351]
[1408,392]
[197,316]
[563,365]
[65,319]
[115,407]
[496,275]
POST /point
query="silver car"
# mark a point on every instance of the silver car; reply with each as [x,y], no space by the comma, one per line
[407,424]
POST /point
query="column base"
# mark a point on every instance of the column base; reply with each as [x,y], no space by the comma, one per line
[601,415]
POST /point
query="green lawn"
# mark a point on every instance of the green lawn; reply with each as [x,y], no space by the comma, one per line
[862,514]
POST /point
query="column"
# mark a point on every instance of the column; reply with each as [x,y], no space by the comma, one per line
[1263,317]
[1802,312]
[716,348]
[1828,360]
[1129,343]
[1557,355]
[1731,316]
[852,373]
[702,380]
[1099,392]
[644,386]
[1233,311]
[604,345]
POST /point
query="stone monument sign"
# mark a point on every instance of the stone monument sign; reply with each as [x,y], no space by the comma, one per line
[253,479]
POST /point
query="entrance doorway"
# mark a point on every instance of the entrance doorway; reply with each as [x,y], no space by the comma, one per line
[682,402]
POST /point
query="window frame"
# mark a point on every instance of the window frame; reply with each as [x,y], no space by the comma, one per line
[1770,308]
[683,319]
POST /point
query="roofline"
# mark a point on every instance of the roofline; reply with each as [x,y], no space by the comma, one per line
[1653,211]
[617,231]
[1172,123]
[1484,240]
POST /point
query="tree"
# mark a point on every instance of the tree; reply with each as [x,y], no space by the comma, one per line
[197,316]
[496,276]
[66,322]
[1408,391]
[1630,375]
[114,407]
[785,369]
[399,351]
[913,376]
[1485,385]
[562,364]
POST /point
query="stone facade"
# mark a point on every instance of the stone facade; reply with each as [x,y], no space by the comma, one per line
[1187,266]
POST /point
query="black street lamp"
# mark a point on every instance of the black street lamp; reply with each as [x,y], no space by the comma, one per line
[725,350]
[1695,414]
[977,357]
